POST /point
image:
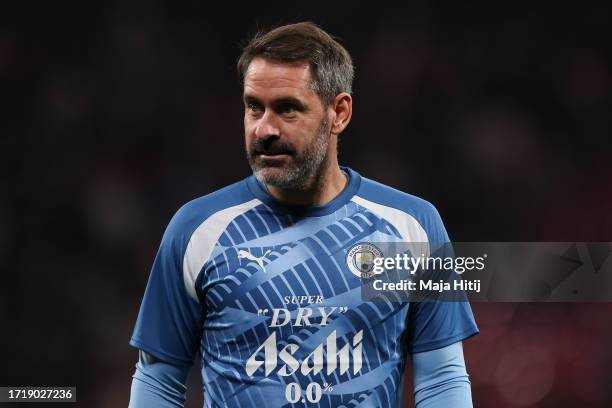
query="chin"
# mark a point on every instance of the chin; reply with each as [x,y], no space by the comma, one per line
[269,174]
[271,171]
[280,177]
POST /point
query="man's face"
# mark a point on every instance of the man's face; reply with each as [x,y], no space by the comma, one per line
[286,128]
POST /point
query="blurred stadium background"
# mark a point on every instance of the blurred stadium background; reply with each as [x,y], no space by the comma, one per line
[114,114]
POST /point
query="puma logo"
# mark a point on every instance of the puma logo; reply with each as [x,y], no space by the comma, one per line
[251,257]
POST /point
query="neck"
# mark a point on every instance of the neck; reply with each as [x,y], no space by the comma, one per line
[322,189]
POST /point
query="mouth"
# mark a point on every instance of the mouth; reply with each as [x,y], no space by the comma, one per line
[272,160]
[266,156]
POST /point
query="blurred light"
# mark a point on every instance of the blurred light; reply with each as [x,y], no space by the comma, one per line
[525,375]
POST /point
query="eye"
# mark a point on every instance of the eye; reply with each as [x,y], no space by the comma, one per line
[287,109]
[252,106]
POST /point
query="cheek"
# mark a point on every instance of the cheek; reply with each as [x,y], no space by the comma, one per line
[305,132]
[248,129]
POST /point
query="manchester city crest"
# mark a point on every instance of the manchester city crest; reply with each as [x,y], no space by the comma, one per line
[360,259]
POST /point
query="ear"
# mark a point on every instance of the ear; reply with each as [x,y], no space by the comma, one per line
[342,108]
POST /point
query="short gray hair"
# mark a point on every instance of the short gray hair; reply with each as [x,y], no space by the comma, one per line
[330,63]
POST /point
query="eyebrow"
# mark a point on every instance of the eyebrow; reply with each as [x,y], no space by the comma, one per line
[288,100]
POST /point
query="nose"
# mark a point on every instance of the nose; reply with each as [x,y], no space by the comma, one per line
[267,126]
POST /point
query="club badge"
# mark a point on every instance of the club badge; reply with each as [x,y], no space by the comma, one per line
[360,259]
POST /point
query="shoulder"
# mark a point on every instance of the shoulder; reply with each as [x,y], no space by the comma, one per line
[391,197]
[192,214]
[375,195]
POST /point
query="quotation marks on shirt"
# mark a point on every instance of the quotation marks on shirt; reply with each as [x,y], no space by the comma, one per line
[263,312]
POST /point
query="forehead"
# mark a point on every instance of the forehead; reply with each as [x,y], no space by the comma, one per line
[265,78]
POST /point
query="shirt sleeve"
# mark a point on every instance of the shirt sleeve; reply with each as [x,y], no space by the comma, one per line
[169,321]
[441,379]
[158,384]
[435,324]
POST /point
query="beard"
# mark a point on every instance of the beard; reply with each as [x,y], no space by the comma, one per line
[297,172]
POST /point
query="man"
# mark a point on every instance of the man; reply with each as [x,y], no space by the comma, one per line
[262,277]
